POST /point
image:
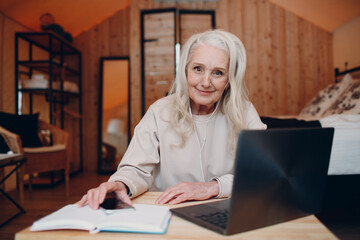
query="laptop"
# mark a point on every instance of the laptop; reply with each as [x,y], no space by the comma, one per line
[279,175]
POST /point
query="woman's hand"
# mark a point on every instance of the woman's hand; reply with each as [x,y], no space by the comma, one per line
[96,196]
[182,192]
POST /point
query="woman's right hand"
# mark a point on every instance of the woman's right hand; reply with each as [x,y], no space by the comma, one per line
[95,196]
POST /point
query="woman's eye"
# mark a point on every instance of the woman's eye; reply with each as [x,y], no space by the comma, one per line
[197,69]
[218,73]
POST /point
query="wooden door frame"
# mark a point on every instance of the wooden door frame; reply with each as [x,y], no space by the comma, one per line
[177,14]
[100,107]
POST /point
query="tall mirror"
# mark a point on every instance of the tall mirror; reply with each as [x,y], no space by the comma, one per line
[114,112]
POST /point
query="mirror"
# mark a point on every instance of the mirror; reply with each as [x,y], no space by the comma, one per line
[114,112]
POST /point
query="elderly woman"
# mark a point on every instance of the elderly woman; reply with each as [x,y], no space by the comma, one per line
[184,146]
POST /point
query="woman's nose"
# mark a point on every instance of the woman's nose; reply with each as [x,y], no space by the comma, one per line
[206,82]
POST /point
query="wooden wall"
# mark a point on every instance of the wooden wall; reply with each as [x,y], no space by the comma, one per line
[136,6]
[346,48]
[8,27]
[289,59]
[1,59]
[108,38]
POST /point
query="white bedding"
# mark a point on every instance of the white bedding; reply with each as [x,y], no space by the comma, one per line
[345,152]
[338,106]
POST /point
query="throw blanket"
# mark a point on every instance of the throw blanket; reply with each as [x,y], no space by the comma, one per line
[289,123]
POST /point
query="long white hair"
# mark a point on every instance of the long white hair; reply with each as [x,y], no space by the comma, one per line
[234,100]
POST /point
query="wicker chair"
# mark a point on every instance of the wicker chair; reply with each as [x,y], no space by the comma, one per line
[42,159]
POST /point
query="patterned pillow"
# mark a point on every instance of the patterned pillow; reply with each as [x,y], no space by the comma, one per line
[325,98]
[348,102]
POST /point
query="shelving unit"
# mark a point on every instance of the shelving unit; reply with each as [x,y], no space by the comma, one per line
[46,53]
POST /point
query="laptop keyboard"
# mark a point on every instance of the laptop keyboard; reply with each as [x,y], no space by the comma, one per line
[216,218]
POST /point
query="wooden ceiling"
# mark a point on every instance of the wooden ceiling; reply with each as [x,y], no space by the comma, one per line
[76,16]
[327,14]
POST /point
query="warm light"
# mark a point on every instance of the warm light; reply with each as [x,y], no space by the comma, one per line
[115,83]
[115,126]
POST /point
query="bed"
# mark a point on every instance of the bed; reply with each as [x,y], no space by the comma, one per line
[337,106]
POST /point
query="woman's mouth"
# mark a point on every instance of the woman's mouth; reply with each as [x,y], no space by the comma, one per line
[204,92]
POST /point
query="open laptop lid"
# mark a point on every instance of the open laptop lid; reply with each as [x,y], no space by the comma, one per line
[279,175]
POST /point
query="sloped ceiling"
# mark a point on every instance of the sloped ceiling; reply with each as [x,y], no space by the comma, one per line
[327,14]
[75,16]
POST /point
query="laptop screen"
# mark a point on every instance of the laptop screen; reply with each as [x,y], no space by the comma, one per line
[279,175]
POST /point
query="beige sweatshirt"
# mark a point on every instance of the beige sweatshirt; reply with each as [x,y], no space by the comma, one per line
[151,163]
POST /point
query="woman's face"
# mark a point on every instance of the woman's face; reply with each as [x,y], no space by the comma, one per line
[207,75]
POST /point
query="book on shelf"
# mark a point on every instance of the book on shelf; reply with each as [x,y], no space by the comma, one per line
[143,219]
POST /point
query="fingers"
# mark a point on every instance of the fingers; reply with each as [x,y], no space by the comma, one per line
[122,195]
[82,201]
[95,196]
[101,194]
[178,199]
[165,197]
[173,193]
[188,191]
[174,198]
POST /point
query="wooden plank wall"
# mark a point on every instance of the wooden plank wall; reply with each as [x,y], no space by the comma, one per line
[193,23]
[7,71]
[108,38]
[136,6]
[1,59]
[8,27]
[289,59]
[159,55]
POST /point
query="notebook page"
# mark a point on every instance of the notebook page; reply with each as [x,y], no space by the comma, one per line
[145,218]
[70,217]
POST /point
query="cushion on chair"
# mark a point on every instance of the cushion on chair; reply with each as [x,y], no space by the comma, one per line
[26,126]
[54,148]
[4,148]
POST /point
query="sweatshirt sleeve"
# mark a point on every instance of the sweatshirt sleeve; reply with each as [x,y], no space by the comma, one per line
[225,185]
[141,157]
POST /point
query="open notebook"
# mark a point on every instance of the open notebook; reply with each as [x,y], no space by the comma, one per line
[144,219]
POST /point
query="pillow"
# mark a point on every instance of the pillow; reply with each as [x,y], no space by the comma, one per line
[348,102]
[26,126]
[4,148]
[325,98]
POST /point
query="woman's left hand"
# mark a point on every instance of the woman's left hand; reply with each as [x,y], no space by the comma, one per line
[186,191]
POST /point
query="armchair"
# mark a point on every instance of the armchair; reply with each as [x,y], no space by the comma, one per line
[42,159]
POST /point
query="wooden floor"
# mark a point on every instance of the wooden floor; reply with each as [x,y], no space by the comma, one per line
[345,224]
[44,200]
